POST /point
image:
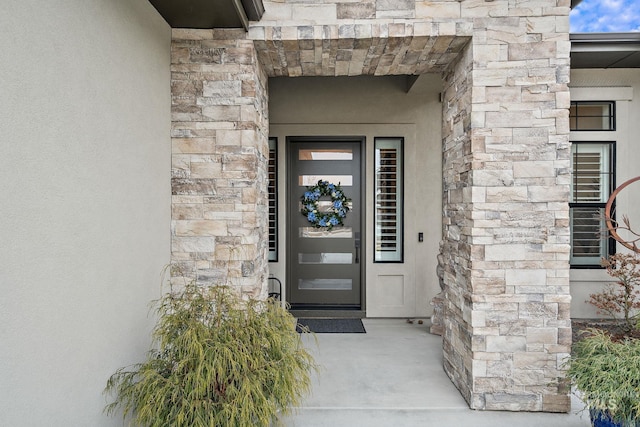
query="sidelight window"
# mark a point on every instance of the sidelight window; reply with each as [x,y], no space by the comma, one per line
[272,185]
[388,199]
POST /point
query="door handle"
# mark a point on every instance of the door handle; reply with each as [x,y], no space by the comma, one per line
[357,245]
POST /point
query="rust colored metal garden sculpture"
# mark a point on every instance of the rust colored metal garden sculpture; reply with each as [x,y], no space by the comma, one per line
[614,226]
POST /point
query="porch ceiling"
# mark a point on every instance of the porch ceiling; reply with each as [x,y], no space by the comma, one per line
[342,54]
[605,50]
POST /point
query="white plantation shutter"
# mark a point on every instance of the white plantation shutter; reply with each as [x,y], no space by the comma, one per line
[388,200]
[272,173]
[590,182]
[587,235]
[590,188]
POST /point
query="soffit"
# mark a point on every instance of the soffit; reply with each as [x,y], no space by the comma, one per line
[207,14]
[605,50]
[376,56]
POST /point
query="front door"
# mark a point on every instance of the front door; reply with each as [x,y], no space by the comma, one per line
[324,264]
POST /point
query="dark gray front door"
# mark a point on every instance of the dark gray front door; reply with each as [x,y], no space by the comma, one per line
[324,266]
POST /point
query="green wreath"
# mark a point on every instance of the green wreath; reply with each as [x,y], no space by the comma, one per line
[336,213]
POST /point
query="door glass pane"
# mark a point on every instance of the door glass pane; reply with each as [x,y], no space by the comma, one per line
[326,205]
[311,180]
[325,154]
[325,258]
[325,284]
[318,233]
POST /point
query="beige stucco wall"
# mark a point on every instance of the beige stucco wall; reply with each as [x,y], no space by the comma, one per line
[622,86]
[85,200]
[375,106]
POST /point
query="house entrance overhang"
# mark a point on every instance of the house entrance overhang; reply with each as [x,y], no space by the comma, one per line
[352,50]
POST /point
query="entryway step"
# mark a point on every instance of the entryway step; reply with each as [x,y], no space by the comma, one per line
[329,314]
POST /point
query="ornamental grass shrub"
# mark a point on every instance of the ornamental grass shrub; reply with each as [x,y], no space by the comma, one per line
[217,360]
[606,372]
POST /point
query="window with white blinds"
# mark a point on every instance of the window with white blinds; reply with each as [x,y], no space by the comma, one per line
[591,185]
[272,172]
[388,196]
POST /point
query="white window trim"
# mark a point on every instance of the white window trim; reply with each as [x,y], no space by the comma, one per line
[601,93]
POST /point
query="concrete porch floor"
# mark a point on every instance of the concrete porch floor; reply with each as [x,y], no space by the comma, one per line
[393,376]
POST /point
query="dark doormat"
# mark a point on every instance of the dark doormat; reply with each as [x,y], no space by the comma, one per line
[332,326]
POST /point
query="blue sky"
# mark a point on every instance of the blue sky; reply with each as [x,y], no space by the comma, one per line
[606,16]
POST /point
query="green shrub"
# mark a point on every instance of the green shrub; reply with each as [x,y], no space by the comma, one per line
[607,374]
[217,361]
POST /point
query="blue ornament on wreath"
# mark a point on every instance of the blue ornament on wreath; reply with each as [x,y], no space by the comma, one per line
[327,218]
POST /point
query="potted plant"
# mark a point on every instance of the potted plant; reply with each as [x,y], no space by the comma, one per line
[217,360]
[605,362]
[606,372]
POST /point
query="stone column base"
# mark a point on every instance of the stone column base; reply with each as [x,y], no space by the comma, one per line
[437,325]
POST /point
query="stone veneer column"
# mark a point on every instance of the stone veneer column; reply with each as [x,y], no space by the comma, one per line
[506,188]
[219,161]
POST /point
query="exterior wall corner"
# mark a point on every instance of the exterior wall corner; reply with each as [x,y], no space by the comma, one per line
[219,159]
[505,238]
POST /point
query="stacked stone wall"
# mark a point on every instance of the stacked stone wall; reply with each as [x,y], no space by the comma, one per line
[506,230]
[505,241]
[455,257]
[219,159]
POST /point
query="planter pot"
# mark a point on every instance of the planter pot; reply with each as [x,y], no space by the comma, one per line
[602,419]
